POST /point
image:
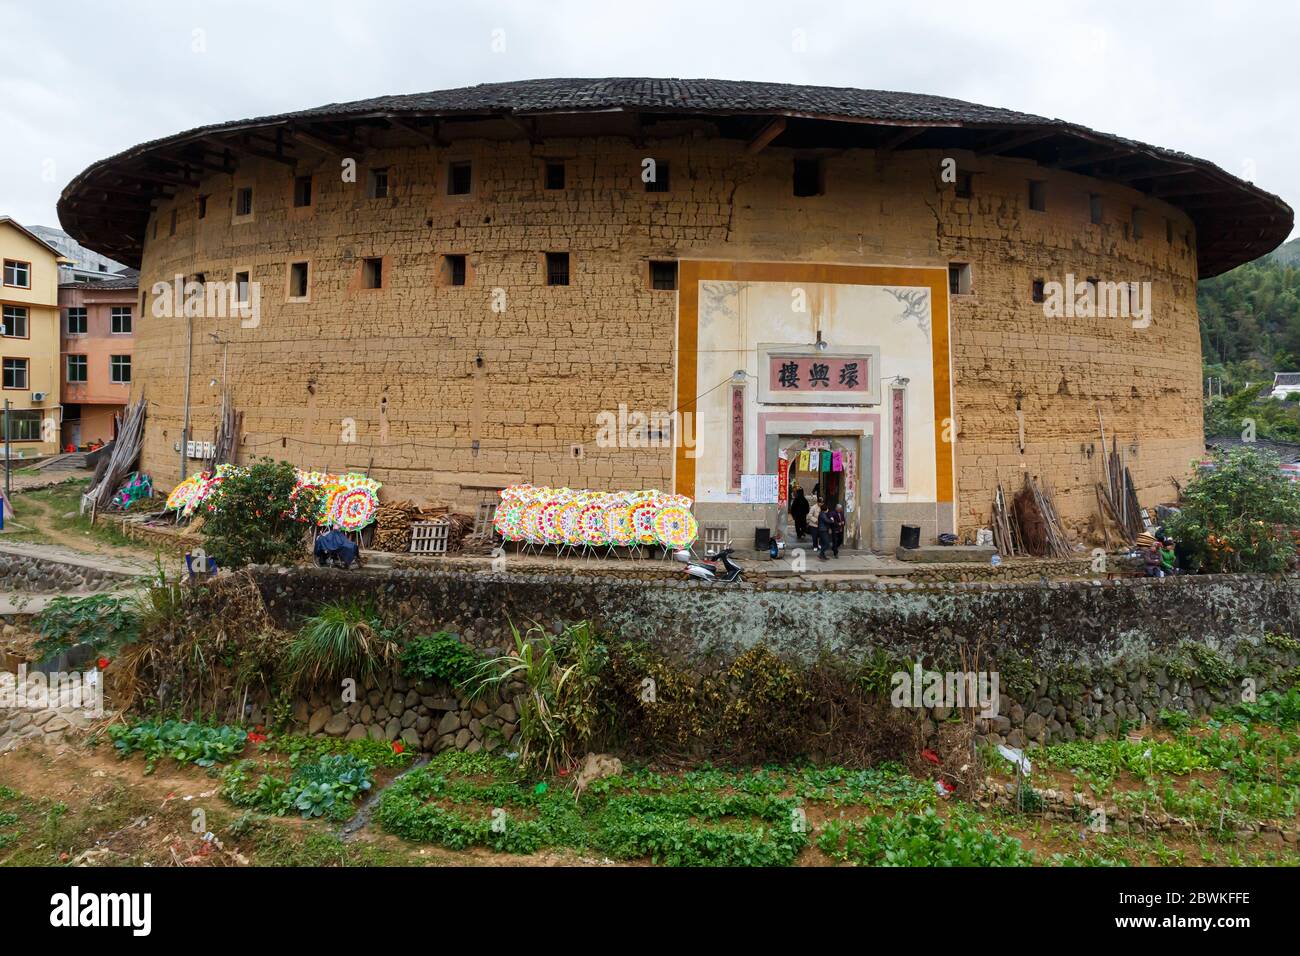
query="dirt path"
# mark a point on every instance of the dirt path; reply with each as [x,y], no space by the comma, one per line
[39,516]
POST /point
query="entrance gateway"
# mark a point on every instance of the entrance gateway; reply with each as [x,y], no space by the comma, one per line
[781,362]
[833,485]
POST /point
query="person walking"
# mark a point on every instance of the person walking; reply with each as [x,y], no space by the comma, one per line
[837,529]
[825,529]
[812,521]
[799,512]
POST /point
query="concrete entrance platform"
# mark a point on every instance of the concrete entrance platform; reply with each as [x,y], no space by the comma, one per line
[854,563]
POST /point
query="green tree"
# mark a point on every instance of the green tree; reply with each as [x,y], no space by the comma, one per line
[1241,514]
[259,515]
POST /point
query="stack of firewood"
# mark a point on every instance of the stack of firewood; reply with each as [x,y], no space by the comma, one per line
[393,522]
[393,527]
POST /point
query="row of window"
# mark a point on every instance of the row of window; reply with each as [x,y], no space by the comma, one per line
[960,283]
[460,182]
[119,369]
[455,272]
[15,321]
[807,179]
[16,370]
[119,316]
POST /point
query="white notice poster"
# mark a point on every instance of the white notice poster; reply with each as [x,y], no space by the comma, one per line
[758,489]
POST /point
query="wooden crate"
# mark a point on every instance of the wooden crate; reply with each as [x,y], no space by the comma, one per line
[487,512]
[430,537]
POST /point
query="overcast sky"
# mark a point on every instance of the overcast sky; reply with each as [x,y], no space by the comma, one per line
[80,81]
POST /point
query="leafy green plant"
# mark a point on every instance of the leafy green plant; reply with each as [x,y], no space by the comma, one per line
[325,787]
[440,656]
[345,638]
[103,621]
[376,753]
[921,839]
[182,740]
[1240,514]
[259,515]
[557,715]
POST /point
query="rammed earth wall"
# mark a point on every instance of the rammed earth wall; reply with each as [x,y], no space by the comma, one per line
[1073,659]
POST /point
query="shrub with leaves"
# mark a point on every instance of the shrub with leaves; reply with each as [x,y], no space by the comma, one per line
[1241,514]
[103,621]
[441,656]
[562,673]
[259,515]
[182,740]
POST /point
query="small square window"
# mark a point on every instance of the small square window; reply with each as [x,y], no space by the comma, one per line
[460,178]
[959,278]
[555,175]
[557,268]
[19,274]
[203,207]
[454,269]
[298,272]
[1037,195]
[15,373]
[302,191]
[119,368]
[663,275]
[244,201]
[13,322]
[1137,223]
[372,273]
[807,177]
[965,185]
[1094,208]
[120,320]
[377,183]
[659,177]
[76,320]
[1039,291]
[76,368]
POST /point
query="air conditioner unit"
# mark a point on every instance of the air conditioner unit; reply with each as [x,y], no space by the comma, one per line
[38,397]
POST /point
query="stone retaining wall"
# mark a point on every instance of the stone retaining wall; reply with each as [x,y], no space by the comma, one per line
[32,574]
[1074,659]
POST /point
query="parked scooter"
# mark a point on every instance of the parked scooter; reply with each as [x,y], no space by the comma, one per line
[714,568]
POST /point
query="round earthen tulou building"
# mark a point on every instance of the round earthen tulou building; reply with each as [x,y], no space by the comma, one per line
[898,300]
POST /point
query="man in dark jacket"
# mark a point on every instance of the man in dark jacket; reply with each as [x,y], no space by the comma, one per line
[837,529]
[799,512]
[825,533]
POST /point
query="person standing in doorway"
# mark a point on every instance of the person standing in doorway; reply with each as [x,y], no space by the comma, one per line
[825,529]
[799,512]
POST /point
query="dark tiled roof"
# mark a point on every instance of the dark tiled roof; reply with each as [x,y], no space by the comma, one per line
[1228,232]
[1288,451]
[1286,378]
[114,284]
